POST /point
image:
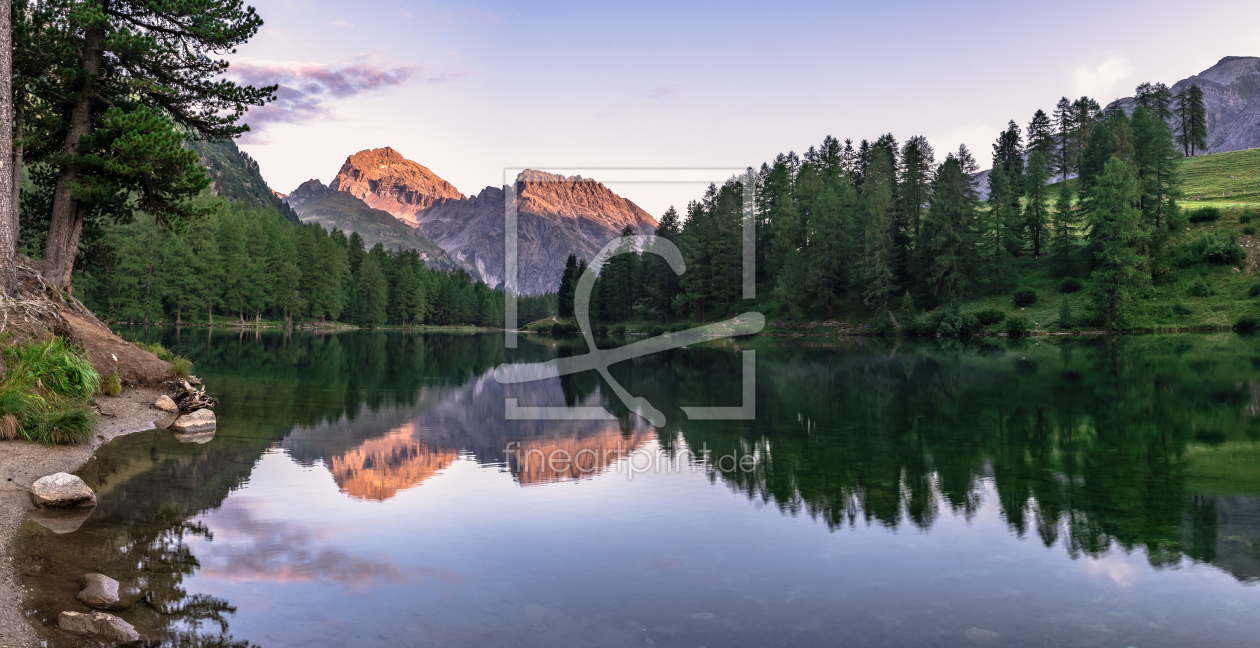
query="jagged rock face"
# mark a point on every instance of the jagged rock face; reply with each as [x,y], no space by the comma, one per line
[385,180]
[557,215]
[1232,101]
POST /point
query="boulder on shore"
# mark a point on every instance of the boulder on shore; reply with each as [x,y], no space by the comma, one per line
[98,624]
[99,591]
[165,404]
[61,490]
[202,420]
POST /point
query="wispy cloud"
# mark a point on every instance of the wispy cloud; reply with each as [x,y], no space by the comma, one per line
[1105,79]
[305,89]
[341,23]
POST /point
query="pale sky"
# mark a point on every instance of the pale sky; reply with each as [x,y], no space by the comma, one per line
[470,89]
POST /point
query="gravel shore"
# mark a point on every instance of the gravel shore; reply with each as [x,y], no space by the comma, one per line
[21,463]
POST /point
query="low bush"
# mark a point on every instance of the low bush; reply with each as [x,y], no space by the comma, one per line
[1024,297]
[619,330]
[1213,247]
[1249,230]
[45,391]
[1180,308]
[1199,288]
[1070,285]
[656,331]
[943,322]
[1246,216]
[1246,323]
[1204,215]
[990,316]
[1017,325]
[563,328]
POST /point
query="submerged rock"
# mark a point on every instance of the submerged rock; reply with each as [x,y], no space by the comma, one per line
[61,490]
[128,595]
[61,521]
[165,404]
[98,624]
[99,591]
[202,420]
[196,437]
[980,636]
[164,423]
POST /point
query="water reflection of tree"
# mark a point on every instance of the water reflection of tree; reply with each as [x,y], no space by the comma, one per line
[1085,442]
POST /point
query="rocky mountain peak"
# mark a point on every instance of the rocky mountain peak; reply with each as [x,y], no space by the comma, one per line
[308,188]
[386,180]
[576,197]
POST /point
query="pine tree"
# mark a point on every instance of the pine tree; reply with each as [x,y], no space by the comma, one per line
[996,231]
[1036,200]
[1155,162]
[1063,129]
[878,277]
[1008,152]
[1085,113]
[144,79]
[950,221]
[1157,99]
[917,162]
[1064,230]
[568,284]
[1041,136]
[1120,269]
[660,282]
[1191,114]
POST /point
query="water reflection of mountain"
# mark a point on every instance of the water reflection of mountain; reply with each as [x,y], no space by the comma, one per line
[373,455]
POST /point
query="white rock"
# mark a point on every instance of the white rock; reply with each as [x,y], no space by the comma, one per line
[202,420]
[98,624]
[61,490]
[99,591]
[165,404]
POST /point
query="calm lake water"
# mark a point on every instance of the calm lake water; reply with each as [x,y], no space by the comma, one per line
[1072,492]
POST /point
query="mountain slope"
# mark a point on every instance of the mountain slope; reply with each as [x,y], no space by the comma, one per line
[234,175]
[315,203]
[557,215]
[1233,105]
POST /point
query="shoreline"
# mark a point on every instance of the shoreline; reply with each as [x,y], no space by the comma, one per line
[22,462]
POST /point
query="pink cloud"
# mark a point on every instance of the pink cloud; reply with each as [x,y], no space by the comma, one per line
[304,88]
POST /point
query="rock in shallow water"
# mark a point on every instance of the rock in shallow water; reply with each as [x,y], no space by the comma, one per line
[165,404]
[98,624]
[99,591]
[195,437]
[202,420]
[61,490]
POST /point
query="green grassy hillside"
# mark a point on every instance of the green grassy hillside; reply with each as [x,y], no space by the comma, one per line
[1227,177]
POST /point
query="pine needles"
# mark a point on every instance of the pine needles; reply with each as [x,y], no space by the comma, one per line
[44,393]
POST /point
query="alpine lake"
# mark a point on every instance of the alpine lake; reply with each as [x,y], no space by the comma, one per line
[367,489]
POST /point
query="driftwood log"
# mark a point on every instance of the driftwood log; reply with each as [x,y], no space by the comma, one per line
[189,398]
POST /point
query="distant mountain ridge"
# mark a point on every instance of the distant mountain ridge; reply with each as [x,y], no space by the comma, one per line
[556,215]
[1233,105]
[235,175]
[319,204]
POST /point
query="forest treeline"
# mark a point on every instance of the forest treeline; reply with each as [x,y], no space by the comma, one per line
[246,264]
[882,228]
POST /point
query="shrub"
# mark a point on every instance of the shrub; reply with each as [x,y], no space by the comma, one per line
[1218,248]
[1070,285]
[1205,215]
[990,316]
[1249,230]
[656,331]
[943,322]
[1180,308]
[1199,288]
[1024,297]
[1255,290]
[619,330]
[563,328]
[1246,323]
[182,366]
[1017,325]
[1246,216]
[1066,319]
[111,385]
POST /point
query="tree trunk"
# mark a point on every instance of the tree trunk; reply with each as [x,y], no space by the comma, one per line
[67,214]
[8,210]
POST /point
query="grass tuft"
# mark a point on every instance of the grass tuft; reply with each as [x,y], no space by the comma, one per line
[112,384]
[44,393]
[182,366]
